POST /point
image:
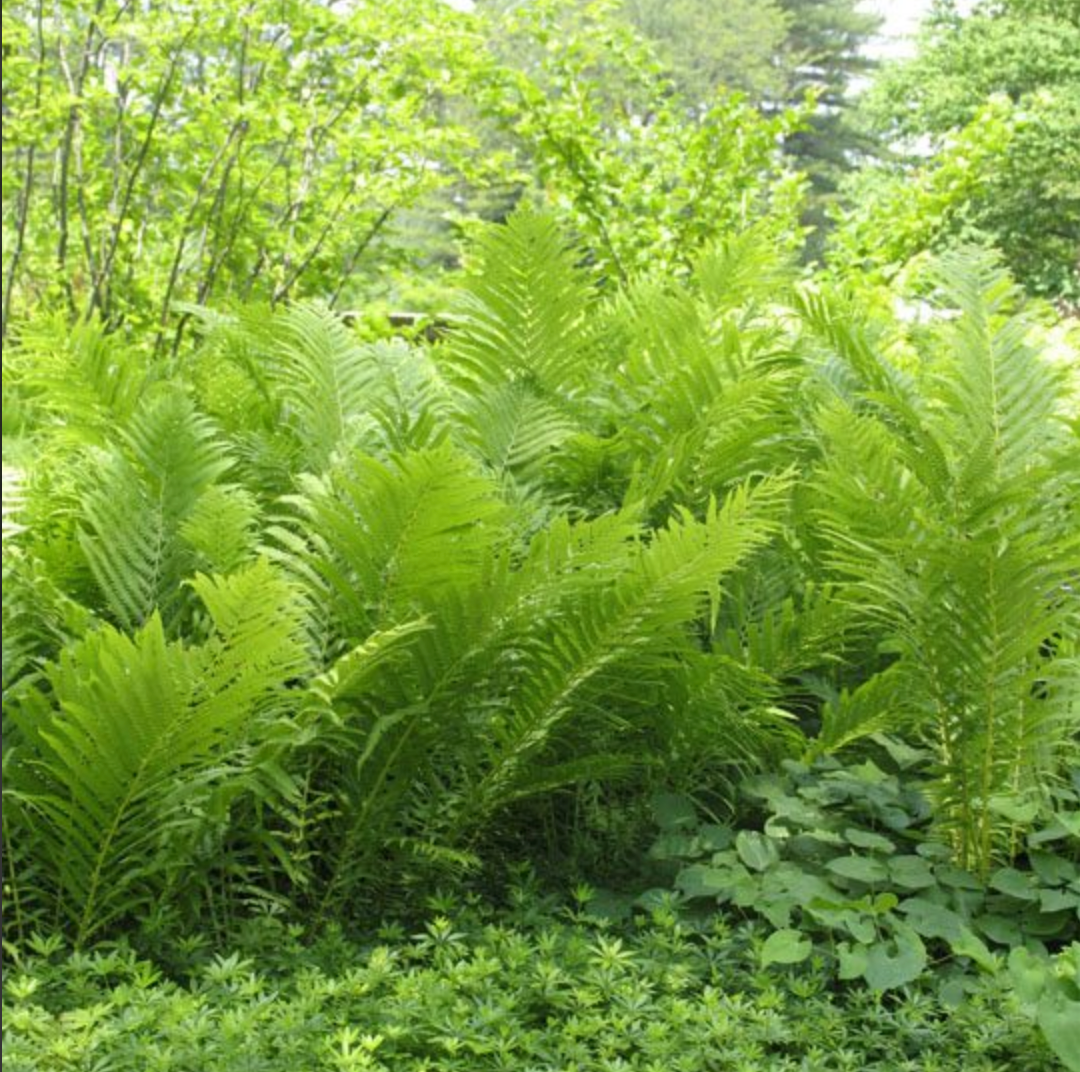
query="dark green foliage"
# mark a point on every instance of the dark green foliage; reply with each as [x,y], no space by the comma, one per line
[847,866]
[825,53]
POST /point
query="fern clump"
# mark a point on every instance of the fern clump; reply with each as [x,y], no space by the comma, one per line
[322,616]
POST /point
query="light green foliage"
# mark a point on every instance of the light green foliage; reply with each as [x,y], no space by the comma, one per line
[132,732]
[948,500]
[199,151]
[997,95]
[476,638]
[584,547]
[644,176]
[134,511]
[230,155]
[1052,990]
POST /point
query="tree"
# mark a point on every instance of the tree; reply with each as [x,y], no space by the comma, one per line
[644,175]
[824,53]
[997,97]
[707,45]
[167,152]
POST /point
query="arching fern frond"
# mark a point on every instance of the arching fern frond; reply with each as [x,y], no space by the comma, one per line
[390,539]
[126,723]
[631,629]
[146,488]
[525,311]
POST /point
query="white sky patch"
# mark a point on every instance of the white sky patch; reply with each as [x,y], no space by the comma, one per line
[902,18]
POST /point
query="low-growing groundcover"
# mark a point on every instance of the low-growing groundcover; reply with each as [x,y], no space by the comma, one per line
[532,990]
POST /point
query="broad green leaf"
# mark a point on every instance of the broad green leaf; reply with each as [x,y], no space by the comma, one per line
[1015,883]
[969,944]
[785,947]
[1059,1020]
[866,839]
[1029,974]
[1005,930]
[859,868]
[853,960]
[756,850]
[673,811]
[714,837]
[911,872]
[1058,900]
[1053,870]
[700,880]
[932,920]
[897,962]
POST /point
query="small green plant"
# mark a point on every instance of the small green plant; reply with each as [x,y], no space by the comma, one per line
[475,991]
[1050,990]
[846,867]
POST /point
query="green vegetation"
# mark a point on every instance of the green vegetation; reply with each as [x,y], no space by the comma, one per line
[472,991]
[997,97]
[720,592]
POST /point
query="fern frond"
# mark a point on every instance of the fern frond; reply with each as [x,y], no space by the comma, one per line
[742,268]
[518,428]
[637,624]
[880,703]
[127,721]
[81,379]
[323,376]
[221,529]
[524,312]
[394,537]
[145,490]
[705,409]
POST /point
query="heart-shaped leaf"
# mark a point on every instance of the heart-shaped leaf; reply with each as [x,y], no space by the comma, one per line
[897,962]
[756,850]
[785,947]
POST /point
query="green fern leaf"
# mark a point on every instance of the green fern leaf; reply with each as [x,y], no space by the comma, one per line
[128,721]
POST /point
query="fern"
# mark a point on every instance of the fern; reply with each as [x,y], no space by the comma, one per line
[707,403]
[609,635]
[525,312]
[392,537]
[146,489]
[953,524]
[79,379]
[519,354]
[126,724]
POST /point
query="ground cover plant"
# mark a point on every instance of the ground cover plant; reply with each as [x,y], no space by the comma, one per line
[736,600]
[533,988]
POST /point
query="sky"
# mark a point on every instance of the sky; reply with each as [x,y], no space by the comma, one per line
[901,20]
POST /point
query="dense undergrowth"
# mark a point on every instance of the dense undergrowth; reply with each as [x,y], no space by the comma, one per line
[299,625]
[533,988]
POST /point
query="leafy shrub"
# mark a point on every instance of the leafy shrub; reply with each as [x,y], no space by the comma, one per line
[676,535]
